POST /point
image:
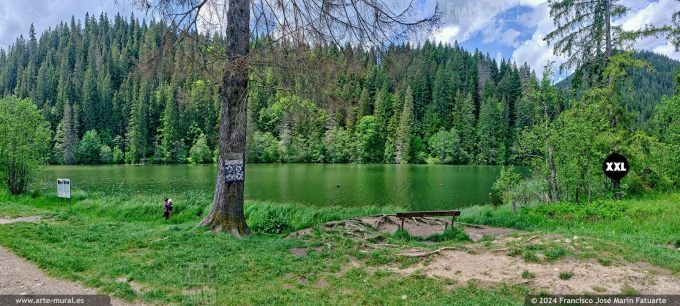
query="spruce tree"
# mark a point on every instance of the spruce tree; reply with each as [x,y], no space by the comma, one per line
[404,152]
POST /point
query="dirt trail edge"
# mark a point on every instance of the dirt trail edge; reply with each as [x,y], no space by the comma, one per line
[19,276]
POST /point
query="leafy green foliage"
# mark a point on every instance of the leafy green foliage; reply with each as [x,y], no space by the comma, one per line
[24,142]
[505,184]
[89,148]
[199,152]
[105,154]
[450,234]
[445,147]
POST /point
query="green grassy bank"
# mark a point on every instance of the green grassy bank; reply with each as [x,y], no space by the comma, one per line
[121,245]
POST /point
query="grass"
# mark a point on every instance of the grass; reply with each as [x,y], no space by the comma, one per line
[526,274]
[633,229]
[100,241]
[565,275]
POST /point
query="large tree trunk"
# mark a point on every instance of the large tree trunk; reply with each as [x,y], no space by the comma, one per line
[226,213]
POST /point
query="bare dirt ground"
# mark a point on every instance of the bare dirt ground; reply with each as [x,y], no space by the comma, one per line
[589,276]
[488,259]
[18,276]
[19,219]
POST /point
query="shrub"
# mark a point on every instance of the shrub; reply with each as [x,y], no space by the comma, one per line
[23,144]
[596,211]
[507,180]
[89,148]
[528,274]
[105,155]
[200,152]
[263,148]
[450,234]
[118,156]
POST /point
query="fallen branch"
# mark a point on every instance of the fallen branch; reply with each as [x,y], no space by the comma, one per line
[532,238]
[437,251]
[500,250]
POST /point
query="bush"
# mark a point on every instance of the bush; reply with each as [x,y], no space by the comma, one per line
[118,156]
[105,155]
[200,152]
[450,234]
[507,180]
[263,148]
[596,211]
[24,142]
[89,148]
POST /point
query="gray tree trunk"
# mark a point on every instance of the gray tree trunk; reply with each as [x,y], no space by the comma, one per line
[554,193]
[226,213]
[608,29]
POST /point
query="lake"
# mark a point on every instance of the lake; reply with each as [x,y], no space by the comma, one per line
[417,187]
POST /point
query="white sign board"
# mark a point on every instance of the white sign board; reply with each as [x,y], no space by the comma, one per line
[64,188]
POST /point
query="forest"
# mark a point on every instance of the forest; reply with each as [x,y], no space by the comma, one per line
[117,91]
[131,91]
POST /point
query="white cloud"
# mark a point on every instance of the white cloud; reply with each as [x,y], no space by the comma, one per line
[535,51]
[658,14]
[447,33]
[472,17]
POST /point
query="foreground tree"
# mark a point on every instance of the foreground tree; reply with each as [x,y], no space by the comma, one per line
[585,35]
[24,142]
[365,23]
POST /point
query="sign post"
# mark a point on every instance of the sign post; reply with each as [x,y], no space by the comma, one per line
[615,166]
[64,190]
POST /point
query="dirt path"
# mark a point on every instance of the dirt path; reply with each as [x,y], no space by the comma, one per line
[19,276]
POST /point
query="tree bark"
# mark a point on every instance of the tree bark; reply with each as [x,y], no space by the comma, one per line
[616,186]
[226,213]
[555,195]
[608,29]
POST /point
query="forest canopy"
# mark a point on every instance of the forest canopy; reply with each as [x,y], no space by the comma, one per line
[129,90]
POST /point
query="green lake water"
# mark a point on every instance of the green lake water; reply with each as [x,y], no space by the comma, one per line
[417,187]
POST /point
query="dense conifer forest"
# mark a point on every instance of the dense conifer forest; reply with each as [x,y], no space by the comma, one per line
[126,90]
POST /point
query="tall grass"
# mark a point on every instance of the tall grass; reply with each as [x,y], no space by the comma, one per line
[188,207]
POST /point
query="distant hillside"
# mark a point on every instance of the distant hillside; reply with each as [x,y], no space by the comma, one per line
[645,87]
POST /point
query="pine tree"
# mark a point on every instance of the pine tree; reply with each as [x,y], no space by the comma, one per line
[90,99]
[171,134]
[585,34]
[65,138]
[442,97]
[491,132]
[137,134]
[404,152]
[464,122]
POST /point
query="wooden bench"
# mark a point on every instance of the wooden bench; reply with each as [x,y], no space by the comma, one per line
[421,214]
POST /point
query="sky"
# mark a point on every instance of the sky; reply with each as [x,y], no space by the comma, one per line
[502,28]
